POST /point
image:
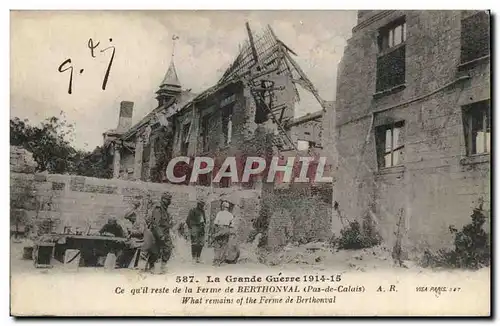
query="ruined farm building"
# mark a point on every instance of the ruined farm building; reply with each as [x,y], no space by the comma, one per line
[249,111]
[413,123]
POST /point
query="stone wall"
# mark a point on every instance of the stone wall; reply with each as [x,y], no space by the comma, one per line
[21,160]
[81,201]
[438,184]
[298,214]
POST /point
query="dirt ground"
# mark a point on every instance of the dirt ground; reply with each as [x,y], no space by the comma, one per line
[35,290]
[312,256]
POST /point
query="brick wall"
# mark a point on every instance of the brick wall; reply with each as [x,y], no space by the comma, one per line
[437,185]
[79,201]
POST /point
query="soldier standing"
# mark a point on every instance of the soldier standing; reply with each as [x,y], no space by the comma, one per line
[159,225]
[196,223]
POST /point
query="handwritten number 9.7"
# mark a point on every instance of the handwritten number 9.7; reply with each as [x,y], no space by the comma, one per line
[66,65]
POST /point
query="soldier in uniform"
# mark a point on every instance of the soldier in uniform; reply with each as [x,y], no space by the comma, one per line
[159,225]
[135,228]
[196,224]
[113,228]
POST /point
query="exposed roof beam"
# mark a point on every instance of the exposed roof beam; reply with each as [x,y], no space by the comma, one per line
[252,44]
[280,41]
[306,83]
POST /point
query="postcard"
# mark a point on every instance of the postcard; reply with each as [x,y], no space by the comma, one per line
[250,163]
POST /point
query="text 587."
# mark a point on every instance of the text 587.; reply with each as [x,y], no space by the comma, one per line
[185,279]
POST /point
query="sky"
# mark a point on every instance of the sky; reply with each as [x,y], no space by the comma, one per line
[208,42]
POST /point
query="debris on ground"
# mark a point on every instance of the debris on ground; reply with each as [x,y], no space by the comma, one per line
[320,253]
[250,251]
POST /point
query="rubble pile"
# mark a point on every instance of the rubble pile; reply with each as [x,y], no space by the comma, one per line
[310,254]
[250,251]
[364,259]
[182,250]
[321,254]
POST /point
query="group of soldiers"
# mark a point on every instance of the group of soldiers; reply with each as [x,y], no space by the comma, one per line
[152,236]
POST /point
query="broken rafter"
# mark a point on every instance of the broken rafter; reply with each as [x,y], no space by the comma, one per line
[252,44]
[264,72]
[259,50]
[268,89]
[280,127]
[301,82]
[282,113]
[267,53]
[280,42]
[287,48]
[306,83]
[305,118]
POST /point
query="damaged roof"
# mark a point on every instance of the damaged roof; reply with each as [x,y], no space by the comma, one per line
[186,98]
[265,52]
[261,50]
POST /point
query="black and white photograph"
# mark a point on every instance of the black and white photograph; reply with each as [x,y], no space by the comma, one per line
[250,163]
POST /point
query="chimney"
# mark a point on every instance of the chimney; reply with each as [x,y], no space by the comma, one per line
[125,118]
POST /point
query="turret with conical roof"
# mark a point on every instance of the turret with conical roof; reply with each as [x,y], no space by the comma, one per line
[170,87]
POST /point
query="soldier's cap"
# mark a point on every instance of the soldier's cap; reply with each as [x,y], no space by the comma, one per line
[166,195]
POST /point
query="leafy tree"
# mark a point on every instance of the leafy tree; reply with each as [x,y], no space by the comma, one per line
[93,164]
[47,142]
[50,143]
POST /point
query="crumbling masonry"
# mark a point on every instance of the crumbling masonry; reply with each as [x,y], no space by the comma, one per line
[413,123]
[249,112]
